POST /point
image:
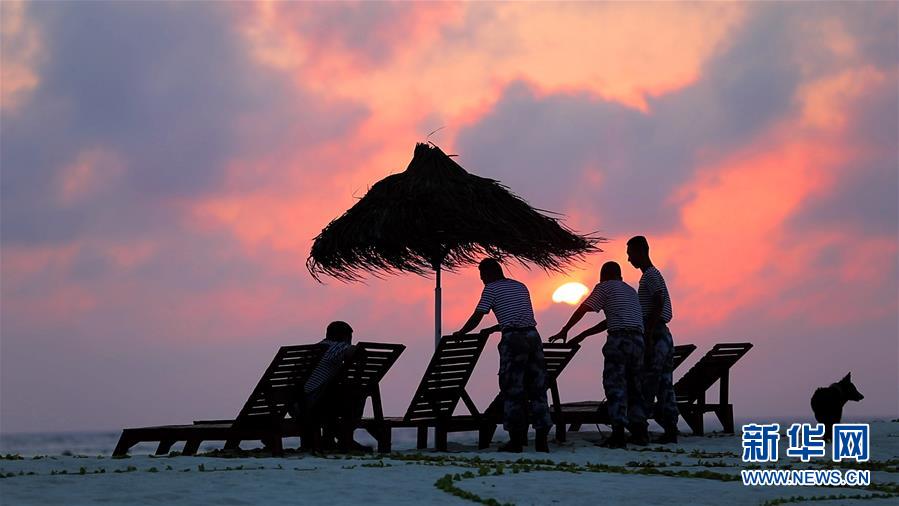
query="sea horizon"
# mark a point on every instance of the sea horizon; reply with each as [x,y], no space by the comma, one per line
[102,442]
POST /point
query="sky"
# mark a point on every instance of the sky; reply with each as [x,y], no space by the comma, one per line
[166,165]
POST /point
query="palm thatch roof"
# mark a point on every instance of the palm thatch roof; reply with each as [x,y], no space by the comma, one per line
[437,215]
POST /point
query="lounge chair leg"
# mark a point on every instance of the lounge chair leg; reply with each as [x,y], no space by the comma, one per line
[694,420]
[485,436]
[275,445]
[125,443]
[384,442]
[191,446]
[726,417]
[557,413]
[232,444]
[440,433]
[575,427]
[561,435]
[164,446]
[422,440]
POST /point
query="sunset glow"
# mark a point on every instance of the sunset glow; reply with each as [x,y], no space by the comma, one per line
[570,293]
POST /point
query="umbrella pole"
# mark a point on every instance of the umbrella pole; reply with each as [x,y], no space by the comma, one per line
[437,309]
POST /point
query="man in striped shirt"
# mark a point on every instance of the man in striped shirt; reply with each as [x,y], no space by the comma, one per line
[658,386]
[522,369]
[623,352]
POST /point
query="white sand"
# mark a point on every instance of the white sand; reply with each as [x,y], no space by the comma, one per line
[316,480]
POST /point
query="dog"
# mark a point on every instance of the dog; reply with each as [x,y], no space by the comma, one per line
[827,402]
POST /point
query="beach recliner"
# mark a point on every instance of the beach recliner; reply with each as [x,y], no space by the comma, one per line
[442,387]
[556,357]
[691,389]
[596,412]
[262,417]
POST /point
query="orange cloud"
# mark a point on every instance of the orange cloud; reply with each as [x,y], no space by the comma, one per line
[450,61]
[22,50]
[733,226]
[447,64]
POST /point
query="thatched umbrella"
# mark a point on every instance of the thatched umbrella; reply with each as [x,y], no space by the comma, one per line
[435,215]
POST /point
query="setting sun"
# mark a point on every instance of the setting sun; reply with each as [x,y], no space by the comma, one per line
[570,293]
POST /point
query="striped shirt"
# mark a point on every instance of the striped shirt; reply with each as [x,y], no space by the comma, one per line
[510,302]
[620,303]
[328,366]
[650,283]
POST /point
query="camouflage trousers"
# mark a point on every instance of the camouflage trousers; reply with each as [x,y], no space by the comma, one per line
[622,378]
[658,387]
[522,380]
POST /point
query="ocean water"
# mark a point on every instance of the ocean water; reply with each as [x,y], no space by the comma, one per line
[103,443]
[59,443]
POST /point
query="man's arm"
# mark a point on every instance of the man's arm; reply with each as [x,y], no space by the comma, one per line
[473,321]
[655,315]
[490,330]
[596,329]
[575,318]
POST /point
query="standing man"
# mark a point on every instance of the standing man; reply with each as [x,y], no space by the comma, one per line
[622,353]
[522,370]
[658,387]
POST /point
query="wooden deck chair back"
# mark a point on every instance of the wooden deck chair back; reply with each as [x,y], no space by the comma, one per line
[443,383]
[279,384]
[557,356]
[370,364]
[681,352]
[714,366]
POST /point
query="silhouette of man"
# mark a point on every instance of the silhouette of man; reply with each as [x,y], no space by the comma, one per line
[522,369]
[327,410]
[658,387]
[622,353]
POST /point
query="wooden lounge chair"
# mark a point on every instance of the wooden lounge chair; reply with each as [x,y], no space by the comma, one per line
[262,417]
[596,412]
[556,356]
[364,374]
[438,394]
[692,387]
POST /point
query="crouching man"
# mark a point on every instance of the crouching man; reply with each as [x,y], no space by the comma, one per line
[327,410]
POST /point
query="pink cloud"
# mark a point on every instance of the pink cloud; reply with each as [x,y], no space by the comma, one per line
[22,53]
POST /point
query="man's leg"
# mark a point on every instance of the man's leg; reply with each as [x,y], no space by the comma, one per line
[615,384]
[513,357]
[666,407]
[329,411]
[536,392]
[310,420]
[352,405]
[636,414]
[652,372]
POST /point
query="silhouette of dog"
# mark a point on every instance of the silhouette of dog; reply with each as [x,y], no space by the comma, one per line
[827,402]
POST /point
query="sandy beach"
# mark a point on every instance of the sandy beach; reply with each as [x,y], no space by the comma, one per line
[699,470]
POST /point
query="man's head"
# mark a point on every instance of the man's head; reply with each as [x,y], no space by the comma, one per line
[339,331]
[491,270]
[638,252]
[610,271]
